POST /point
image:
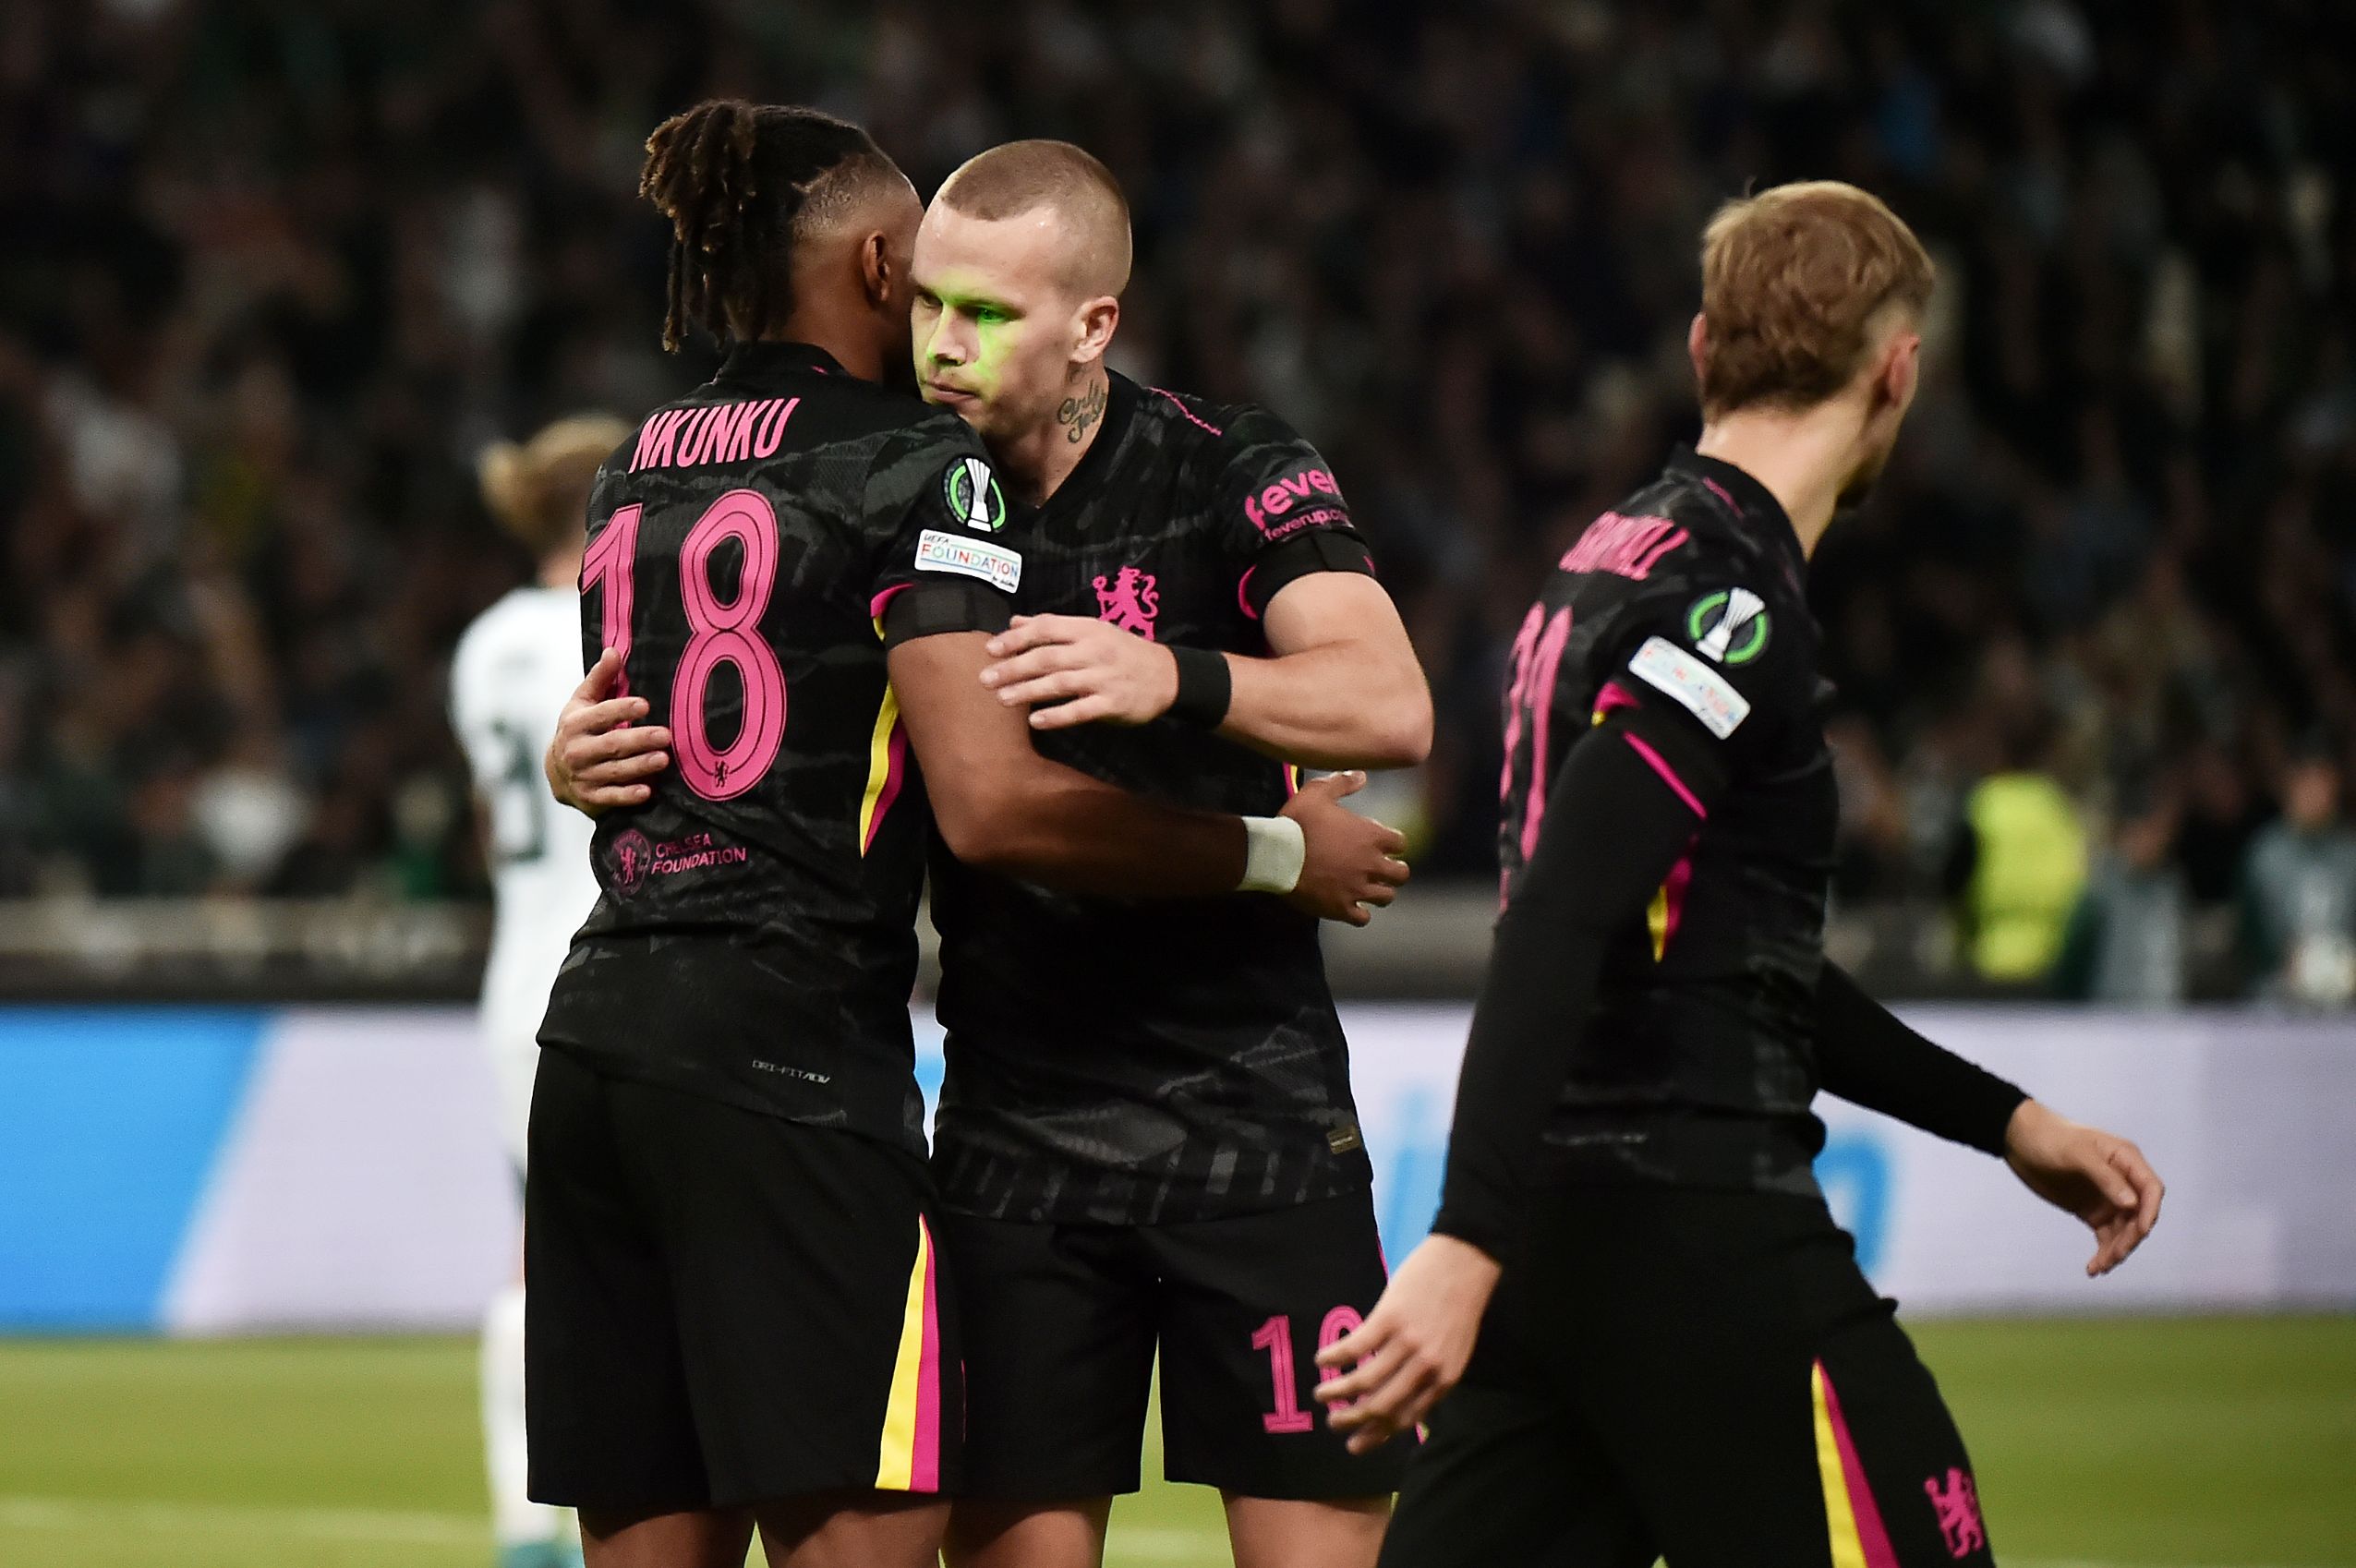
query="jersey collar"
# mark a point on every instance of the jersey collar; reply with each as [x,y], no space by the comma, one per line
[764,362]
[1754,504]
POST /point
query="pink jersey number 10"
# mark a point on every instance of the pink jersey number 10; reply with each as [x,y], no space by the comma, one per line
[722,631]
[1275,1337]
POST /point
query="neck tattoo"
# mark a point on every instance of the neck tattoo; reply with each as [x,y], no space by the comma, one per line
[1077,413]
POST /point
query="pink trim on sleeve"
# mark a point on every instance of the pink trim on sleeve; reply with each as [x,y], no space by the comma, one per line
[1668,775]
[1613,697]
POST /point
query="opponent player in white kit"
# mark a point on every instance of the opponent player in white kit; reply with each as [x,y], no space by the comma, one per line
[513,671]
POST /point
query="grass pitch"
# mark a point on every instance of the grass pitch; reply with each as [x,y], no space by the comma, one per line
[2188,1443]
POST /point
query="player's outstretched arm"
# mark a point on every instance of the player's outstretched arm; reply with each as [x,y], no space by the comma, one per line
[600,756]
[1869,1057]
[999,804]
[1617,817]
[1343,688]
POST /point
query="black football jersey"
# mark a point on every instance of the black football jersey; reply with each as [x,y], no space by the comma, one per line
[754,939]
[1135,1062]
[1697,1064]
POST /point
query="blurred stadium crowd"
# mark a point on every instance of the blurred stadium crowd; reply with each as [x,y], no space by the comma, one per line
[276,270]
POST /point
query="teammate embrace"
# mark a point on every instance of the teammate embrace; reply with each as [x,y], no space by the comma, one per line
[752,1301]
[758,1300]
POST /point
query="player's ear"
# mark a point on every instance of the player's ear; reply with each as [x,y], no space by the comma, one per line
[1901,368]
[1097,320]
[1909,366]
[1698,344]
[878,267]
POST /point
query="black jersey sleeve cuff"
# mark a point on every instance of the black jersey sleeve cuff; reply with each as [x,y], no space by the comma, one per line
[1304,555]
[926,609]
[1866,1056]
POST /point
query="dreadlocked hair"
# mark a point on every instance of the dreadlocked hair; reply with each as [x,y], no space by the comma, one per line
[735,178]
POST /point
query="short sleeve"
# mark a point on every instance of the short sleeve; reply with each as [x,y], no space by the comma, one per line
[945,553]
[1715,657]
[1280,512]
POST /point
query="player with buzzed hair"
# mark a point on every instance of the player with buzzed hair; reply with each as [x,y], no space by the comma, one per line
[737,1313]
[1146,1137]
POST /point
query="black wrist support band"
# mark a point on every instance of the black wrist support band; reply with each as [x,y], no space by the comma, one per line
[1206,687]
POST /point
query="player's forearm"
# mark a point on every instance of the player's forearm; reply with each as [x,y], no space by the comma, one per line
[1534,1001]
[1340,705]
[1613,831]
[1057,826]
[1869,1057]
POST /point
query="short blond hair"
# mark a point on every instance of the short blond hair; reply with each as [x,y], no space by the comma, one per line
[540,490]
[1018,176]
[1794,282]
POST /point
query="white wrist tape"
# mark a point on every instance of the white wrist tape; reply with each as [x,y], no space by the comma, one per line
[1274,850]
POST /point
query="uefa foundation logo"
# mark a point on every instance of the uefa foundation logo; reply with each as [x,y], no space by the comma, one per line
[632,857]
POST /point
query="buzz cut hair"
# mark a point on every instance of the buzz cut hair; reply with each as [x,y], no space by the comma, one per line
[1023,176]
[1796,283]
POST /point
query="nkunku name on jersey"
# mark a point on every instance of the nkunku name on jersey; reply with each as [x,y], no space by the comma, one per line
[754,939]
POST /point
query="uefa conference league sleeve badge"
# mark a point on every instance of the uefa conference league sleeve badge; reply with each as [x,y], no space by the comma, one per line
[974,498]
[973,494]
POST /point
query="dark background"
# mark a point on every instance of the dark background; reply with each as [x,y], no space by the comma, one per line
[272,273]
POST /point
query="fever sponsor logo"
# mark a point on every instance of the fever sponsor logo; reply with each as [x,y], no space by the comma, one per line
[1271,510]
[1132,602]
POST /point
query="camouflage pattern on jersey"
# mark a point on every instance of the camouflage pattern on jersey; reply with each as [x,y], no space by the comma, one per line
[754,939]
[1130,1062]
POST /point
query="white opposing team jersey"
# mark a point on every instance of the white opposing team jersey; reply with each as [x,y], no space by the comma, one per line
[509,681]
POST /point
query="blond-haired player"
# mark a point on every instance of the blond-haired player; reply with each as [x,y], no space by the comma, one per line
[1677,1355]
[510,678]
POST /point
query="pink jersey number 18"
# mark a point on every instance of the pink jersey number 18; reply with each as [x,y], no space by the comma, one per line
[722,631]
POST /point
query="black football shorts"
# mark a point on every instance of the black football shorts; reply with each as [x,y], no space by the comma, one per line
[725,1307]
[1699,1376]
[1062,1321]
